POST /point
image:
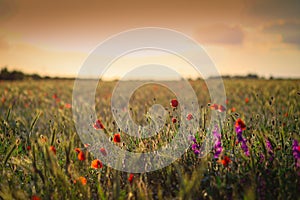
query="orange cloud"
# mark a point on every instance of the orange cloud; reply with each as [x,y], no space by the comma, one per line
[289,32]
[220,34]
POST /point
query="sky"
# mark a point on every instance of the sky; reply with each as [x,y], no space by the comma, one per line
[241,36]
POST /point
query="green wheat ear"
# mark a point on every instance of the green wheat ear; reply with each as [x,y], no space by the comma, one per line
[12,148]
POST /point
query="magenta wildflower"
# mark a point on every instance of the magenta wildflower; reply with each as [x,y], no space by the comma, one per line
[239,132]
[296,152]
[217,139]
[242,140]
[269,146]
[195,145]
[245,147]
[196,148]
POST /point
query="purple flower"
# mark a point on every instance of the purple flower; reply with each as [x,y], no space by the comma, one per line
[195,145]
[218,152]
[245,147]
[196,151]
[242,140]
[239,132]
[217,139]
[269,146]
[296,152]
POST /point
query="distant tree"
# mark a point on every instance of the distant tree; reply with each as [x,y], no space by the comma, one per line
[35,77]
[226,77]
[14,75]
[4,74]
[252,76]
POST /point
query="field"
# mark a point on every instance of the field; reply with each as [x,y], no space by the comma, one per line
[42,156]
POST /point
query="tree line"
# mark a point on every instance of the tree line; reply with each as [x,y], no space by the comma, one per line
[15,75]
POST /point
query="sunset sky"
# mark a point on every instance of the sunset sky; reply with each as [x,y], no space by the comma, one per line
[55,37]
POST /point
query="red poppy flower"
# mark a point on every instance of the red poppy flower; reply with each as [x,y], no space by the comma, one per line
[67,105]
[246,100]
[81,156]
[96,164]
[117,138]
[214,106]
[298,148]
[225,161]
[77,150]
[286,114]
[54,96]
[103,151]
[221,108]
[82,180]
[233,109]
[189,117]
[130,178]
[174,120]
[52,148]
[28,148]
[240,123]
[98,125]
[34,197]
[174,103]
